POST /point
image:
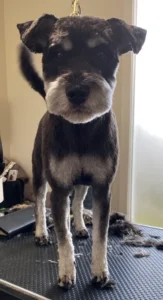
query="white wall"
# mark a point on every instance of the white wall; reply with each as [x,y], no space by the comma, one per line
[26,107]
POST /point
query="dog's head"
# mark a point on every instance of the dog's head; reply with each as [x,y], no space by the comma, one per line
[80,60]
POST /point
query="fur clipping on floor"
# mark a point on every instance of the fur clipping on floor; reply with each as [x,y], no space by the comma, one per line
[119,226]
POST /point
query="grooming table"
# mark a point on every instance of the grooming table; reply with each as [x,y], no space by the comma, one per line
[30,272]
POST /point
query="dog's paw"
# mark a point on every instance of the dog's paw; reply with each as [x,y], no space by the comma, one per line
[66,282]
[82,234]
[43,240]
[103,281]
[67,273]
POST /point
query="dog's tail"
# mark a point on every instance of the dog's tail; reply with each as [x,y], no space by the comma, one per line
[29,72]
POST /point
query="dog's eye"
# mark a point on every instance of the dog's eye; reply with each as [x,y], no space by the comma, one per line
[55,51]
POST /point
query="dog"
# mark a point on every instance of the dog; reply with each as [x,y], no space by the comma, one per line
[76,145]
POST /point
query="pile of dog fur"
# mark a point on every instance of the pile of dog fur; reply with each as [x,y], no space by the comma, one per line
[131,234]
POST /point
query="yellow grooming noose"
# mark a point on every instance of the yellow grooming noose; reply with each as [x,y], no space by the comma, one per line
[76,8]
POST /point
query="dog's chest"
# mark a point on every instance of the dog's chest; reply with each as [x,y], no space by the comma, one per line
[80,152]
[73,169]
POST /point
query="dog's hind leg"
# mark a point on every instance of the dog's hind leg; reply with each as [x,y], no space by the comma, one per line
[77,209]
[60,208]
[101,208]
[40,191]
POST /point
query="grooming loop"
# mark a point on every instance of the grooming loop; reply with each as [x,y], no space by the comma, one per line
[76,8]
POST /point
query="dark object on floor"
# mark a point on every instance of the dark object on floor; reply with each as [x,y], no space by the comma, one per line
[13,193]
[141,253]
[159,245]
[26,265]
[119,226]
[17,222]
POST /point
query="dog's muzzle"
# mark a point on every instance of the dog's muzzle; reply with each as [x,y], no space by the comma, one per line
[79,99]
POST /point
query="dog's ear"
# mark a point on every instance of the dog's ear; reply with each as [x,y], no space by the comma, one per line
[35,34]
[125,37]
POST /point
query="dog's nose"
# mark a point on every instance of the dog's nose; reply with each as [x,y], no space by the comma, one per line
[77,94]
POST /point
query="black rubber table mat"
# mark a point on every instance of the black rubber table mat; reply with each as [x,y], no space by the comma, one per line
[34,268]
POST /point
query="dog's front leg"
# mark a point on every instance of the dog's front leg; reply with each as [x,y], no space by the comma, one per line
[60,208]
[101,208]
[41,233]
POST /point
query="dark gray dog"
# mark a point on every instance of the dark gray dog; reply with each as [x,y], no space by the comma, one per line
[76,144]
